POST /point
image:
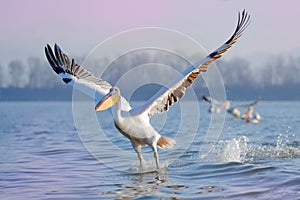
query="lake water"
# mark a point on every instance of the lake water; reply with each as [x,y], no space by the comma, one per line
[49,152]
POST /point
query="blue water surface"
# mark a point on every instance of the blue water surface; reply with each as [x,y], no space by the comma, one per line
[45,154]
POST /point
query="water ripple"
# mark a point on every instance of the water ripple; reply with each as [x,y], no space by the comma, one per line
[44,158]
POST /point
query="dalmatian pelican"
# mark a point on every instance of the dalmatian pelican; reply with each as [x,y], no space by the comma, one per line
[236,113]
[134,123]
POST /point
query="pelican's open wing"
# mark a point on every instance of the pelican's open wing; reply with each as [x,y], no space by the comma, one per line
[209,99]
[175,89]
[248,105]
[255,102]
[72,73]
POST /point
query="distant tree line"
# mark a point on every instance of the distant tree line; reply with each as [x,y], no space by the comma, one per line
[277,71]
[36,73]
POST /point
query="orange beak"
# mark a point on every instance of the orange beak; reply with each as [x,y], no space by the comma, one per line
[108,101]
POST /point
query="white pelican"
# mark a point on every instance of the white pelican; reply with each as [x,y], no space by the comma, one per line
[134,123]
[216,106]
[252,119]
[235,111]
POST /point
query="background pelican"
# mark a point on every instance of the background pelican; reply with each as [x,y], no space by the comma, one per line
[216,106]
[235,111]
[252,119]
[134,123]
[248,116]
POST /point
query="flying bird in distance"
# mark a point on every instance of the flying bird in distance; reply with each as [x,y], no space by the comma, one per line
[248,117]
[134,123]
[252,119]
[236,111]
[215,105]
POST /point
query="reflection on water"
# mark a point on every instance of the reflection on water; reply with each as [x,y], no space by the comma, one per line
[42,157]
[156,184]
[141,185]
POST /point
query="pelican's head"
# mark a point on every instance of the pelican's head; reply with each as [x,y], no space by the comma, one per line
[108,100]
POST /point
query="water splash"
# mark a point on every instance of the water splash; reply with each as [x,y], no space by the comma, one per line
[285,147]
[233,150]
[241,150]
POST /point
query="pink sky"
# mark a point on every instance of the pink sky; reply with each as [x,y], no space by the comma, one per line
[26,26]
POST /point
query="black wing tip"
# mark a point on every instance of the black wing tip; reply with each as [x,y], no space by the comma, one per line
[244,21]
[56,47]
[243,15]
[48,46]
[242,24]
[47,49]
[203,97]
[53,59]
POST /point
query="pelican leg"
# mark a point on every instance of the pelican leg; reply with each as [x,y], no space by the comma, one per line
[138,150]
[154,148]
[139,153]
